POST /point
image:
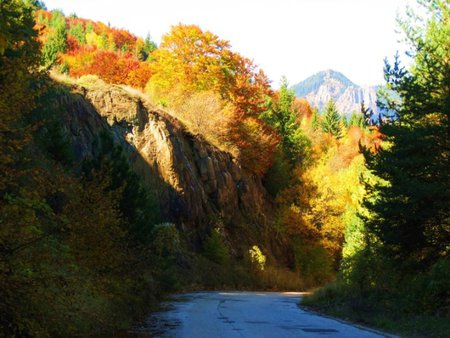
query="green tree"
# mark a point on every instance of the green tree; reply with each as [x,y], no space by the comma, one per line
[331,120]
[356,120]
[284,118]
[365,118]
[410,209]
[215,249]
[315,119]
[77,31]
[138,206]
[57,40]
[148,47]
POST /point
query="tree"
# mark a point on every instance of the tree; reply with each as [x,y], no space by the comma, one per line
[283,116]
[138,208]
[147,47]
[193,60]
[77,31]
[315,119]
[331,120]
[356,120]
[410,208]
[366,116]
[19,57]
[56,41]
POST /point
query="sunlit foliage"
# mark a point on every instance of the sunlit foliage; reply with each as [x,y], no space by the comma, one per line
[83,47]
[191,62]
[398,264]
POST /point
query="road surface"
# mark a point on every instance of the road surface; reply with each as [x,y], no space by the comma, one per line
[245,315]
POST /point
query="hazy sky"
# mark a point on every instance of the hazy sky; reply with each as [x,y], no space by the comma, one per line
[295,38]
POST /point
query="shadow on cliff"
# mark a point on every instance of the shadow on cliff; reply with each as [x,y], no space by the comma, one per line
[198,186]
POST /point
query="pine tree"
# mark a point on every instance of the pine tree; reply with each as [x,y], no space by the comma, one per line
[283,117]
[57,40]
[331,122]
[315,120]
[366,115]
[148,47]
[410,211]
[357,119]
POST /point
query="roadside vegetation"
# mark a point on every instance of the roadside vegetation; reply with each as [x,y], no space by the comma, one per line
[399,277]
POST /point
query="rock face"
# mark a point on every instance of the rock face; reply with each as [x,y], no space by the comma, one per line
[198,184]
[321,87]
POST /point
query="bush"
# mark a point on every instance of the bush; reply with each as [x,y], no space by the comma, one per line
[215,249]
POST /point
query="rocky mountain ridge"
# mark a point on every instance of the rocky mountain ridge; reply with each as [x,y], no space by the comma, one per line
[319,88]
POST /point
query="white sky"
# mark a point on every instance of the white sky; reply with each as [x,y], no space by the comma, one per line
[295,38]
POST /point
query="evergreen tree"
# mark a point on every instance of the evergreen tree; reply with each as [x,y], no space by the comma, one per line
[410,210]
[57,40]
[357,119]
[366,115]
[331,122]
[77,31]
[148,47]
[283,117]
[138,206]
[315,120]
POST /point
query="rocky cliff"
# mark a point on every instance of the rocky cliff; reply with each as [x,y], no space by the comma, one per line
[198,184]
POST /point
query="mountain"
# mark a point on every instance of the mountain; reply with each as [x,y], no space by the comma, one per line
[321,87]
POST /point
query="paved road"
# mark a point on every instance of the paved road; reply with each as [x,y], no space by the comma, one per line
[245,315]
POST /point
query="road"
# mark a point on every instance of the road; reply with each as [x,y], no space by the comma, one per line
[245,315]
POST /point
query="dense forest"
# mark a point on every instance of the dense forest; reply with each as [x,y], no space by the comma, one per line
[88,244]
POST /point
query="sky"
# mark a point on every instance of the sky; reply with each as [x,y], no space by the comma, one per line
[292,38]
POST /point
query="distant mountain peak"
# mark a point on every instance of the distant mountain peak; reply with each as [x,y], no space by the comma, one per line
[328,84]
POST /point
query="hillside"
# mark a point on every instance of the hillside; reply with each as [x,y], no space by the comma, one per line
[195,181]
[321,87]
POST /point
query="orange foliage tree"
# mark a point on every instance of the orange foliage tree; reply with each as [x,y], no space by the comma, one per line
[190,60]
[108,65]
[95,48]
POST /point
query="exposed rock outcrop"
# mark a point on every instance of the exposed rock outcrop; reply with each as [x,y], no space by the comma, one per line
[198,184]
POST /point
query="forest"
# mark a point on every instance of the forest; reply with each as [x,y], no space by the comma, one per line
[358,205]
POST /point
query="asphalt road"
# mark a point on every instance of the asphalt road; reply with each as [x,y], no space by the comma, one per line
[245,315]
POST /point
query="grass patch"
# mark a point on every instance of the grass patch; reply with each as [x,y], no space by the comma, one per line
[377,309]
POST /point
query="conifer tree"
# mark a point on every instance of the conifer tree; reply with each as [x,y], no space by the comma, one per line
[410,211]
[331,122]
[357,119]
[57,40]
[283,117]
[315,119]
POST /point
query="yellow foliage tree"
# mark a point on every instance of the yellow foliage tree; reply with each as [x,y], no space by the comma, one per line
[192,68]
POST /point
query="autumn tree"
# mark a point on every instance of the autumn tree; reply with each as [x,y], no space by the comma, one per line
[77,31]
[190,61]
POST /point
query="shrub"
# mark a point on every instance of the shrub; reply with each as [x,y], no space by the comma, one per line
[215,249]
